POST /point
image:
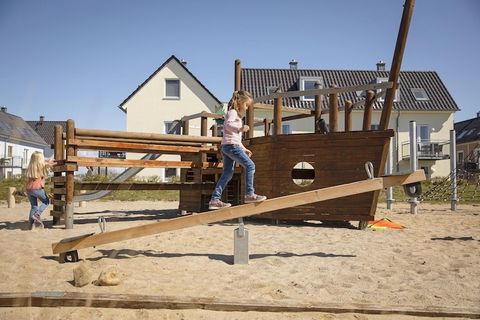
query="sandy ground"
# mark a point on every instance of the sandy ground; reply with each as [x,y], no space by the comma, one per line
[434,262]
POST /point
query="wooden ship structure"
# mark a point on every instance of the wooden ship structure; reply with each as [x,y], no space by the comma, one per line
[335,158]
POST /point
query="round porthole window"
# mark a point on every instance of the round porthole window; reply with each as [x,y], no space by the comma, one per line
[303,174]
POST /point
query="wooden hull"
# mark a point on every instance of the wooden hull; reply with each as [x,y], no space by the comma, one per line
[336,158]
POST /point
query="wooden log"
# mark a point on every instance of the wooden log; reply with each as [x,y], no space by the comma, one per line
[185,127]
[42,299]
[144,186]
[250,121]
[144,141]
[397,62]
[238,211]
[214,129]
[318,107]
[202,114]
[348,115]
[128,163]
[11,197]
[323,92]
[70,185]
[266,126]
[238,70]
[203,126]
[367,114]
[333,111]
[277,115]
[138,147]
[58,178]
[144,136]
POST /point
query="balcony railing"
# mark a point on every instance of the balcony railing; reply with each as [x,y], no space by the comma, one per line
[13,162]
[428,150]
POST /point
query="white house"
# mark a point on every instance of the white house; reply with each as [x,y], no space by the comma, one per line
[170,93]
[17,143]
[421,97]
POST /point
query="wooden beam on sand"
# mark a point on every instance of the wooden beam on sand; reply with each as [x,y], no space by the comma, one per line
[245,210]
[139,301]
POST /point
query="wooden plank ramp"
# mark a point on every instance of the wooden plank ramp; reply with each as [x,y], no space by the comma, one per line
[373,184]
[136,301]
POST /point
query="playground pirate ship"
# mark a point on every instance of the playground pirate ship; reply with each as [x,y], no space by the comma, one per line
[331,159]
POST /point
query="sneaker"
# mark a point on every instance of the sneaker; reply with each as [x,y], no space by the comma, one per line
[217,204]
[37,221]
[254,198]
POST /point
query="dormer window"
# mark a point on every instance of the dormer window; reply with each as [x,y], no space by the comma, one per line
[419,94]
[271,89]
[382,99]
[172,89]
[308,83]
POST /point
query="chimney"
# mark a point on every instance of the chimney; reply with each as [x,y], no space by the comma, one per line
[478,114]
[4,109]
[42,118]
[381,65]
[184,62]
[293,64]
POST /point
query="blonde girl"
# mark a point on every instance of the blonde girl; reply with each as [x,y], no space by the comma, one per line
[233,151]
[36,172]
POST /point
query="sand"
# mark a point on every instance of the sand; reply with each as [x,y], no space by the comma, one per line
[433,263]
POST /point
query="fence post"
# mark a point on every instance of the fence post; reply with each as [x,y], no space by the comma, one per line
[277,115]
[333,111]
[70,183]
[11,197]
[453,169]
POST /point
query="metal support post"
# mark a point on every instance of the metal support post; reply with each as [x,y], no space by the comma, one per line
[388,171]
[240,255]
[453,170]
[413,160]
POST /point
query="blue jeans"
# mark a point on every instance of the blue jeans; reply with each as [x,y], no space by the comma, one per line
[234,153]
[33,197]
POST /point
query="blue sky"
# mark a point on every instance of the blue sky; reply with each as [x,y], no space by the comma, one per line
[80,59]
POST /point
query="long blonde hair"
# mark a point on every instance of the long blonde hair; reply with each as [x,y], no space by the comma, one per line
[37,167]
[237,98]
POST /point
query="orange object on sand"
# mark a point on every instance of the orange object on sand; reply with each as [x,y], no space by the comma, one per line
[384,224]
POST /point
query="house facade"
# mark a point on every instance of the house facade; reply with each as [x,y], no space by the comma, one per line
[421,97]
[17,143]
[468,143]
[170,93]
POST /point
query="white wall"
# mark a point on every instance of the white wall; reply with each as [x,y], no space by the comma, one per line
[148,109]
[20,157]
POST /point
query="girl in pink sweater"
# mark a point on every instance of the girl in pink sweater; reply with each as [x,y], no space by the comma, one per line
[36,172]
[233,151]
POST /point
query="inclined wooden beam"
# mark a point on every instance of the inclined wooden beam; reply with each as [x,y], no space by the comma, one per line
[245,210]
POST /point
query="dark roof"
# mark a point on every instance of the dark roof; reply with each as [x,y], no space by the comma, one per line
[467,130]
[46,129]
[257,81]
[158,70]
[14,128]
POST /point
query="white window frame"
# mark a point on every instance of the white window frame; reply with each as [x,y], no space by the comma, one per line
[397,91]
[420,91]
[419,130]
[301,86]
[179,89]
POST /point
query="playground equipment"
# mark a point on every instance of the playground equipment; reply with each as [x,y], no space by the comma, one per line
[67,248]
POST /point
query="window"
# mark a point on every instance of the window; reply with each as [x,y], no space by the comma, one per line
[286,129]
[170,174]
[397,93]
[423,133]
[10,151]
[172,88]
[460,157]
[25,158]
[419,94]
[271,89]
[374,127]
[308,83]
[168,125]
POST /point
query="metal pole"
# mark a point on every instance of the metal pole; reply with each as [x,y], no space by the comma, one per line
[453,169]
[388,171]
[413,160]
